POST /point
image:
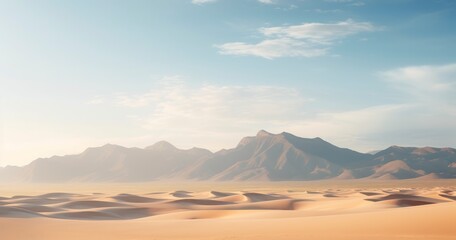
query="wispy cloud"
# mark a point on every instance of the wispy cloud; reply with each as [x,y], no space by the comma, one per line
[210,115]
[358,4]
[323,11]
[423,78]
[381,126]
[96,100]
[433,87]
[305,40]
[216,116]
[201,2]
[268,1]
[172,97]
[168,87]
[424,116]
[349,2]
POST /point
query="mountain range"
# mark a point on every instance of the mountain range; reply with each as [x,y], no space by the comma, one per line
[264,157]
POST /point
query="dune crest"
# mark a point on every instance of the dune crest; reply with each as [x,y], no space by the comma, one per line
[132,206]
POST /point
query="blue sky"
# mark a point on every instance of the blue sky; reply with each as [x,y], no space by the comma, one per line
[360,74]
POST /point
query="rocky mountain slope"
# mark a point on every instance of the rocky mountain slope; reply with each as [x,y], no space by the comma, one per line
[264,157]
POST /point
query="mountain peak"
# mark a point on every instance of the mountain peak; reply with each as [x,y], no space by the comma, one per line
[110,145]
[162,146]
[263,133]
[106,147]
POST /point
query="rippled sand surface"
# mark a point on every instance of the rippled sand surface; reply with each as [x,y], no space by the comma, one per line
[320,210]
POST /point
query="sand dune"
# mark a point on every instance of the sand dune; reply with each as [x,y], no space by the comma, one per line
[131,206]
[266,213]
[85,215]
[38,208]
[183,202]
[124,197]
[221,194]
[398,196]
[259,197]
[88,204]
[448,196]
[17,212]
[180,194]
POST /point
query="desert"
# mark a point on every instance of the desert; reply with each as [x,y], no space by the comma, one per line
[227,120]
[350,209]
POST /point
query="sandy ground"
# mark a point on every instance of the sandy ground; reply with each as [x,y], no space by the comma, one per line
[288,210]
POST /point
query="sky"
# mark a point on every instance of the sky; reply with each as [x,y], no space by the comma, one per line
[361,74]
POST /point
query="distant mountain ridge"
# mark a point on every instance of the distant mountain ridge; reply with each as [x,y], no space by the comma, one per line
[264,157]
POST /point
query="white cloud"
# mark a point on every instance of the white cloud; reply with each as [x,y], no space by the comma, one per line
[431,86]
[273,48]
[267,1]
[424,78]
[306,40]
[321,33]
[201,2]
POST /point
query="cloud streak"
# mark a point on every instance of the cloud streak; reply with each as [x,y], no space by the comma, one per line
[96,100]
[349,2]
[201,2]
[172,97]
[304,40]
[267,1]
[212,115]
[423,79]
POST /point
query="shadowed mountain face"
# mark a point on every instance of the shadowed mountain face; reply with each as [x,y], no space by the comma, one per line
[266,156]
[277,157]
[430,160]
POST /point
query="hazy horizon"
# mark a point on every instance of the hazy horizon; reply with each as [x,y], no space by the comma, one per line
[363,75]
